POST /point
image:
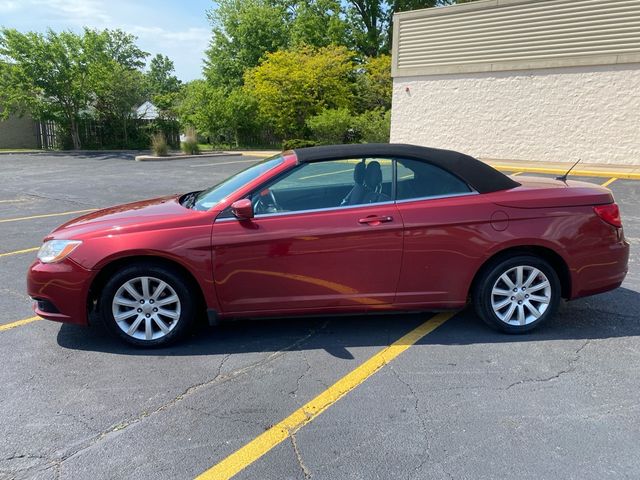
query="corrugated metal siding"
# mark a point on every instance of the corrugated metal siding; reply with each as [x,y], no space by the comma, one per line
[516,34]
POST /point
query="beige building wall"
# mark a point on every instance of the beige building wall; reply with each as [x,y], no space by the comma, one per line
[550,80]
[591,113]
[18,132]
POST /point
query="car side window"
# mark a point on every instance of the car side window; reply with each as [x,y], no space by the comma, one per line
[328,184]
[417,179]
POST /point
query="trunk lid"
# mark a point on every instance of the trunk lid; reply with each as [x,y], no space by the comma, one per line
[536,192]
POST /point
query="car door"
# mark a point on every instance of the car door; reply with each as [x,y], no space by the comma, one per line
[445,235]
[310,245]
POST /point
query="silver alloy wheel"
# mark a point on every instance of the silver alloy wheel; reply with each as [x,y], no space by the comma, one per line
[146,308]
[521,295]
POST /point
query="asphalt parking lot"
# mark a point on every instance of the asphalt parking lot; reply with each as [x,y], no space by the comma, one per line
[463,402]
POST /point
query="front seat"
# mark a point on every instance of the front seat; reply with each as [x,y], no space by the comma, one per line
[373,184]
[355,196]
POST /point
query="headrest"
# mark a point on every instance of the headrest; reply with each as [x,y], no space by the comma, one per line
[358,173]
[373,175]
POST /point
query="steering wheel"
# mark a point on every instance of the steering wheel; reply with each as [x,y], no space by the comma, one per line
[265,202]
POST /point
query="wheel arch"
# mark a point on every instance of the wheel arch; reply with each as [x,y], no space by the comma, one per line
[552,257]
[114,265]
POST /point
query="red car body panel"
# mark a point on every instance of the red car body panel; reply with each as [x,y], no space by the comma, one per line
[424,255]
[310,260]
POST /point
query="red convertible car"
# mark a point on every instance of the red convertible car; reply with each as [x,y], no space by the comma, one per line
[336,229]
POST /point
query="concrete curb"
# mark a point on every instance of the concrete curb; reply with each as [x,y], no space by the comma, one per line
[153,158]
[23,152]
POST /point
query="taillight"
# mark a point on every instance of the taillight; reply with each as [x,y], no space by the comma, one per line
[609,213]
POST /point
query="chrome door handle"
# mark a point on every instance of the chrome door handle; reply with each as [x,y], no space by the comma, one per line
[375,220]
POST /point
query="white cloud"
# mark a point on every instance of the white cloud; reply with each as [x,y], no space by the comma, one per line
[8,6]
[175,30]
[78,12]
[193,35]
[185,47]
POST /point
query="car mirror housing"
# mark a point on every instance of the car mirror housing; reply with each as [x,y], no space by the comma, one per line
[242,209]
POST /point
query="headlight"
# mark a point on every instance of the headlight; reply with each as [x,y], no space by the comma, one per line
[56,250]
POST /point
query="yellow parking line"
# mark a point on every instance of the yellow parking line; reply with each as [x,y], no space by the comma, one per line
[5,220]
[9,326]
[279,432]
[18,252]
[559,171]
[259,154]
[515,174]
[221,163]
[326,173]
[609,182]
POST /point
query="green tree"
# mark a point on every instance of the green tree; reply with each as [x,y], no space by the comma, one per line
[331,126]
[373,126]
[116,91]
[374,84]
[200,105]
[317,23]
[243,31]
[371,21]
[160,76]
[216,111]
[241,113]
[52,75]
[162,85]
[291,86]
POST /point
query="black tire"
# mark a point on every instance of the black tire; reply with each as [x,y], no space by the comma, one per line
[484,299]
[183,309]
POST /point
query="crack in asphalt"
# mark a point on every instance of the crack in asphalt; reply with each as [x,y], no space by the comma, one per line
[57,458]
[224,359]
[427,444]
[571,366]
[305,470]
[231,417]
[294,392]
[77,419]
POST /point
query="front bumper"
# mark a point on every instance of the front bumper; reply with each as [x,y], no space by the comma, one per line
[60,290]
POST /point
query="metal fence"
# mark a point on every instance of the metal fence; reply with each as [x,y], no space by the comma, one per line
[100,134]
[48,134]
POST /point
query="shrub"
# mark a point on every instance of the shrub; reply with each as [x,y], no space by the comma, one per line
[332,126]
[190,144]
[159,145]
[298,143]
[374,126]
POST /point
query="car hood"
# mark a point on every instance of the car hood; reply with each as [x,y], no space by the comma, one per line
[150,214]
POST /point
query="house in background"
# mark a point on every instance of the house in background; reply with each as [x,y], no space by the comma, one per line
[147,111]
[554,80]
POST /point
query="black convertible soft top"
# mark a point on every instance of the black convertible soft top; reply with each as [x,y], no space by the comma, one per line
[479,175]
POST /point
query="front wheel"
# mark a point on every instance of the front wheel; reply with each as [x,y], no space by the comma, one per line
[517,294]
[147,305]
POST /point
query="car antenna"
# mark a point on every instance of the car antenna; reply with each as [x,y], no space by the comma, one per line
[563,178]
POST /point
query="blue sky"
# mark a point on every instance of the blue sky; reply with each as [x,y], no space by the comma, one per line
[178,29]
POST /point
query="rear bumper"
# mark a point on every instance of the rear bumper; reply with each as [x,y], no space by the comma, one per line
[62,289]
[605,270]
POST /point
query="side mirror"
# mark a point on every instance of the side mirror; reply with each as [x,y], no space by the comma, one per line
[242,209]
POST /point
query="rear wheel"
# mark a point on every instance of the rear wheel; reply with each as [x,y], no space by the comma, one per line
[147,305]
[517,294]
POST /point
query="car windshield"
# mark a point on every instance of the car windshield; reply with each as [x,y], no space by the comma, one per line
[214,195]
